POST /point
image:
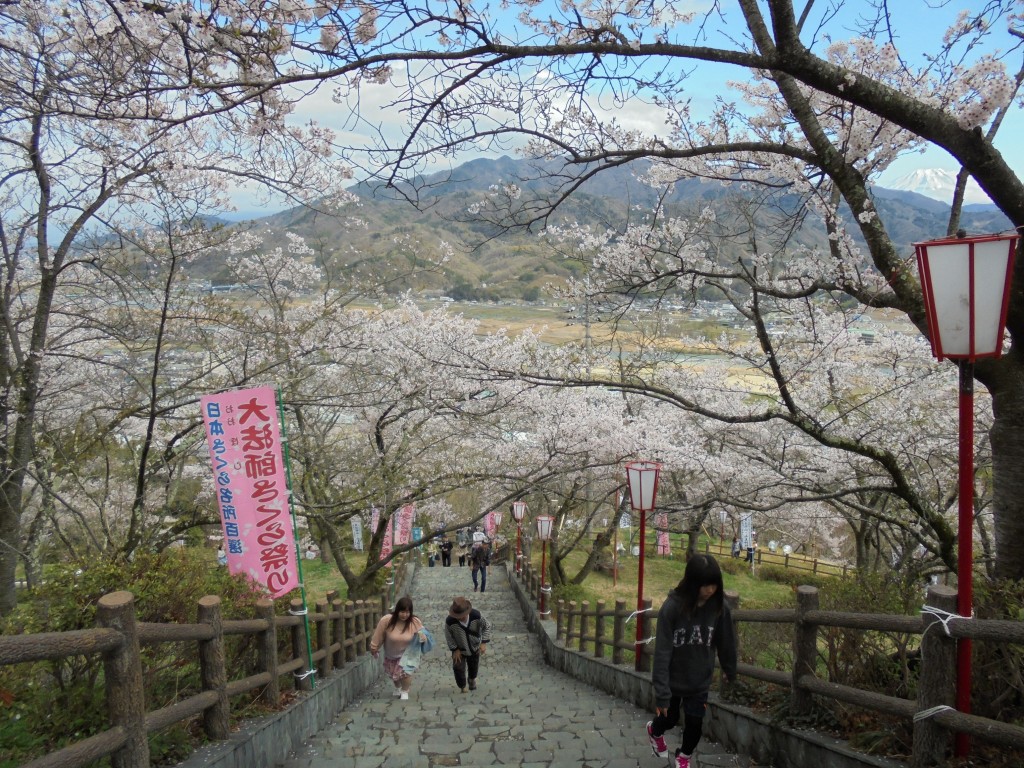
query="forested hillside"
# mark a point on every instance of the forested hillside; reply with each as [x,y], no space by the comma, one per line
[400,230]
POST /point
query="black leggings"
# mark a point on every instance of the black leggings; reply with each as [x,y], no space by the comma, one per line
[692,722]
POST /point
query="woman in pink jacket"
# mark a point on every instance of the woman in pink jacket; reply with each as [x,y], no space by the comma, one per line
[394,632]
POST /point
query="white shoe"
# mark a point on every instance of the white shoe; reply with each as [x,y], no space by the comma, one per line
[404,696]
[397,693]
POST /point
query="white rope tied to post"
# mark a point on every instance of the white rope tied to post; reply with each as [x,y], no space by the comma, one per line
[924,714]
[301,612]
[304,675]
[634,614]
[944,617]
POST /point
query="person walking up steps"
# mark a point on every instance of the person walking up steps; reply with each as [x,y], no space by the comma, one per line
[395,632]
[467,633]
[479,559]
[693,624]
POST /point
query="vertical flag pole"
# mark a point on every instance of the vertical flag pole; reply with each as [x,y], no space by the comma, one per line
[295,534]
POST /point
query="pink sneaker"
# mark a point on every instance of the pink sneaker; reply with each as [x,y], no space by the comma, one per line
[657,742]
[682,761]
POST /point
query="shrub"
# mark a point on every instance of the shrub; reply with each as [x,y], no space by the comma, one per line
[50,704]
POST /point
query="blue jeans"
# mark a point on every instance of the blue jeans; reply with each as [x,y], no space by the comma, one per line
[483,578]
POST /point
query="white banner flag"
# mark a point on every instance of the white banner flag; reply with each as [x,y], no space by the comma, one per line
[357,534]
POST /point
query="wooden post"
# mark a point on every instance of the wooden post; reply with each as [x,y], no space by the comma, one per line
[805,650]
[937,683]
[643,663]
[732,599]
[323,639]
[362,620]
[560,631]
[570,623]
[271,695]
[126,698]
[618,631]
[338,633]
[350,631]
[216,719]
[299,647]
[599,630]
[584,623]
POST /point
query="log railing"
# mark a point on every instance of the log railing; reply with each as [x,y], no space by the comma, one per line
[340,631]
[934,720]
[783,560]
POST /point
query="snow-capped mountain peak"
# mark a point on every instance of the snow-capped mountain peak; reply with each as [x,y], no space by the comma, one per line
[937,183]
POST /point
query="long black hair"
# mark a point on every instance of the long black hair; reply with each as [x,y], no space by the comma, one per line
[403,604]
[701,571]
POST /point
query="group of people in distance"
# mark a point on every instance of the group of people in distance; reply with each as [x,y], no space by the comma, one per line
[478,555]
[694,627]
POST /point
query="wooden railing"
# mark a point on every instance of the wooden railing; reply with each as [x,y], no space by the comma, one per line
[931,714]
[340,633]
[797,563]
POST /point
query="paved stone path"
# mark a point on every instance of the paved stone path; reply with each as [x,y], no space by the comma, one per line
[523,713]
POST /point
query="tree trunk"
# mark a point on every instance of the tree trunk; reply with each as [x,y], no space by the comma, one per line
[1007,439]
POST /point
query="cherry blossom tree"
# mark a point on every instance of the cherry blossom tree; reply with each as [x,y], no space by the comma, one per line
[103,110]
[825,101]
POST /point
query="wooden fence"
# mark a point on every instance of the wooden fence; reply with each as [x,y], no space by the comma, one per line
[931,713]
[762,557]
[340,632]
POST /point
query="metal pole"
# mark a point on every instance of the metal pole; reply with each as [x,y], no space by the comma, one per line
[519,547]
[295,536]
[615,553]
[965,545]
[640,591]
[543,573]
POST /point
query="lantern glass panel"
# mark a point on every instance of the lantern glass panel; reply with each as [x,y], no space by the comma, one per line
[642,477]
[518,510]
[949,267]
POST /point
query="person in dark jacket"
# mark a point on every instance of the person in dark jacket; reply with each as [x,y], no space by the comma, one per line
[467,633]
[446,552]
[479,559]
[694,625]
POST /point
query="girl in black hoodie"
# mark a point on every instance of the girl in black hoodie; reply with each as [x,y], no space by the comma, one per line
[694,625]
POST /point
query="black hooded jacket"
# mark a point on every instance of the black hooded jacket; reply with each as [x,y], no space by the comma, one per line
[685,649]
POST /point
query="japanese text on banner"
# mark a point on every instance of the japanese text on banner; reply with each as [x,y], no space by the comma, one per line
[244,438]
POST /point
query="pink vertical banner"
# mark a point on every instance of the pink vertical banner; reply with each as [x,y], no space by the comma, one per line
[489,525]
[405,519]
[661,525]
[244,437]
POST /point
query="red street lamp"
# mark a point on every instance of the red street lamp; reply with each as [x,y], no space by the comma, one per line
[965,282]
[544,523]
[642,478]
[519,512]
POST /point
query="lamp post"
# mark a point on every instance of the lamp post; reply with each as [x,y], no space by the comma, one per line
[519,512]
[965,282]
[642,478]
[544,523]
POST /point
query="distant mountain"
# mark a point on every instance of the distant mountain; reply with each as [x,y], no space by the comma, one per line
[491,263]
[938,184]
